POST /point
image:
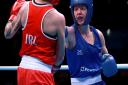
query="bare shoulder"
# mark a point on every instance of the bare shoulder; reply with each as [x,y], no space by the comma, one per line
[70,29]
[23,13]
[71,33]
[101,37]
[55,15]
[54,20]
[100,33]
[104,49]
[70,39]
[24,7]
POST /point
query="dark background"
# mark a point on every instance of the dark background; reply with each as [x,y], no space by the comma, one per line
[108,14]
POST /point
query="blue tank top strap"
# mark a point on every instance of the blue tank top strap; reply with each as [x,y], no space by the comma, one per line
[75,27]
[97,36]
[66,31]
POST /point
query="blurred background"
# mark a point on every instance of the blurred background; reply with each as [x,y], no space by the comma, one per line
[110,16]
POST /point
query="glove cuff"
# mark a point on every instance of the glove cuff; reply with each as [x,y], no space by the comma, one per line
[57,66]
[105,56]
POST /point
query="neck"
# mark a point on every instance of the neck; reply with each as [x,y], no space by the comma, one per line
[84,29]
[41,1]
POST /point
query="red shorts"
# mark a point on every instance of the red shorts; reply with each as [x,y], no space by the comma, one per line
[34,77]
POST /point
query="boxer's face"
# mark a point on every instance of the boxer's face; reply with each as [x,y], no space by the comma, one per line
[80,12]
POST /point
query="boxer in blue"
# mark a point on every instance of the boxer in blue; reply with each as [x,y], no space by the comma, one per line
[86,52]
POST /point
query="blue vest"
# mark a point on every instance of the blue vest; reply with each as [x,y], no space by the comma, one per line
[84,59]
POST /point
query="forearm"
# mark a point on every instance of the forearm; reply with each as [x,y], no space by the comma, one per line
[104,50]
[59,58]
[59,61]
[60,52]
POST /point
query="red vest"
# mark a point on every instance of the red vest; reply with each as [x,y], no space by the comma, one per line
[34,42]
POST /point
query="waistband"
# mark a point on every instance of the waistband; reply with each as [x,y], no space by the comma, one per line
[87,80]
[29,62]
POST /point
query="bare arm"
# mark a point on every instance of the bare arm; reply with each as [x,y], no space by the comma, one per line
[60,50]
[104,49]
[108,60]
[70,40]
[12,26]
[54,23]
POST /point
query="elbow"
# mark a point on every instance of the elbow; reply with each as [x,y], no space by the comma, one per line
[7,31]
[7,36]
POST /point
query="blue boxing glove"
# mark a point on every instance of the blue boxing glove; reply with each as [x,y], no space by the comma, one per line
[109,65]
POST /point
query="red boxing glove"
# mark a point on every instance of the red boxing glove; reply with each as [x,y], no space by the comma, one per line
[15,9]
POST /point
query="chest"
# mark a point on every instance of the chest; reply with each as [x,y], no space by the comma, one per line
[89,38]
